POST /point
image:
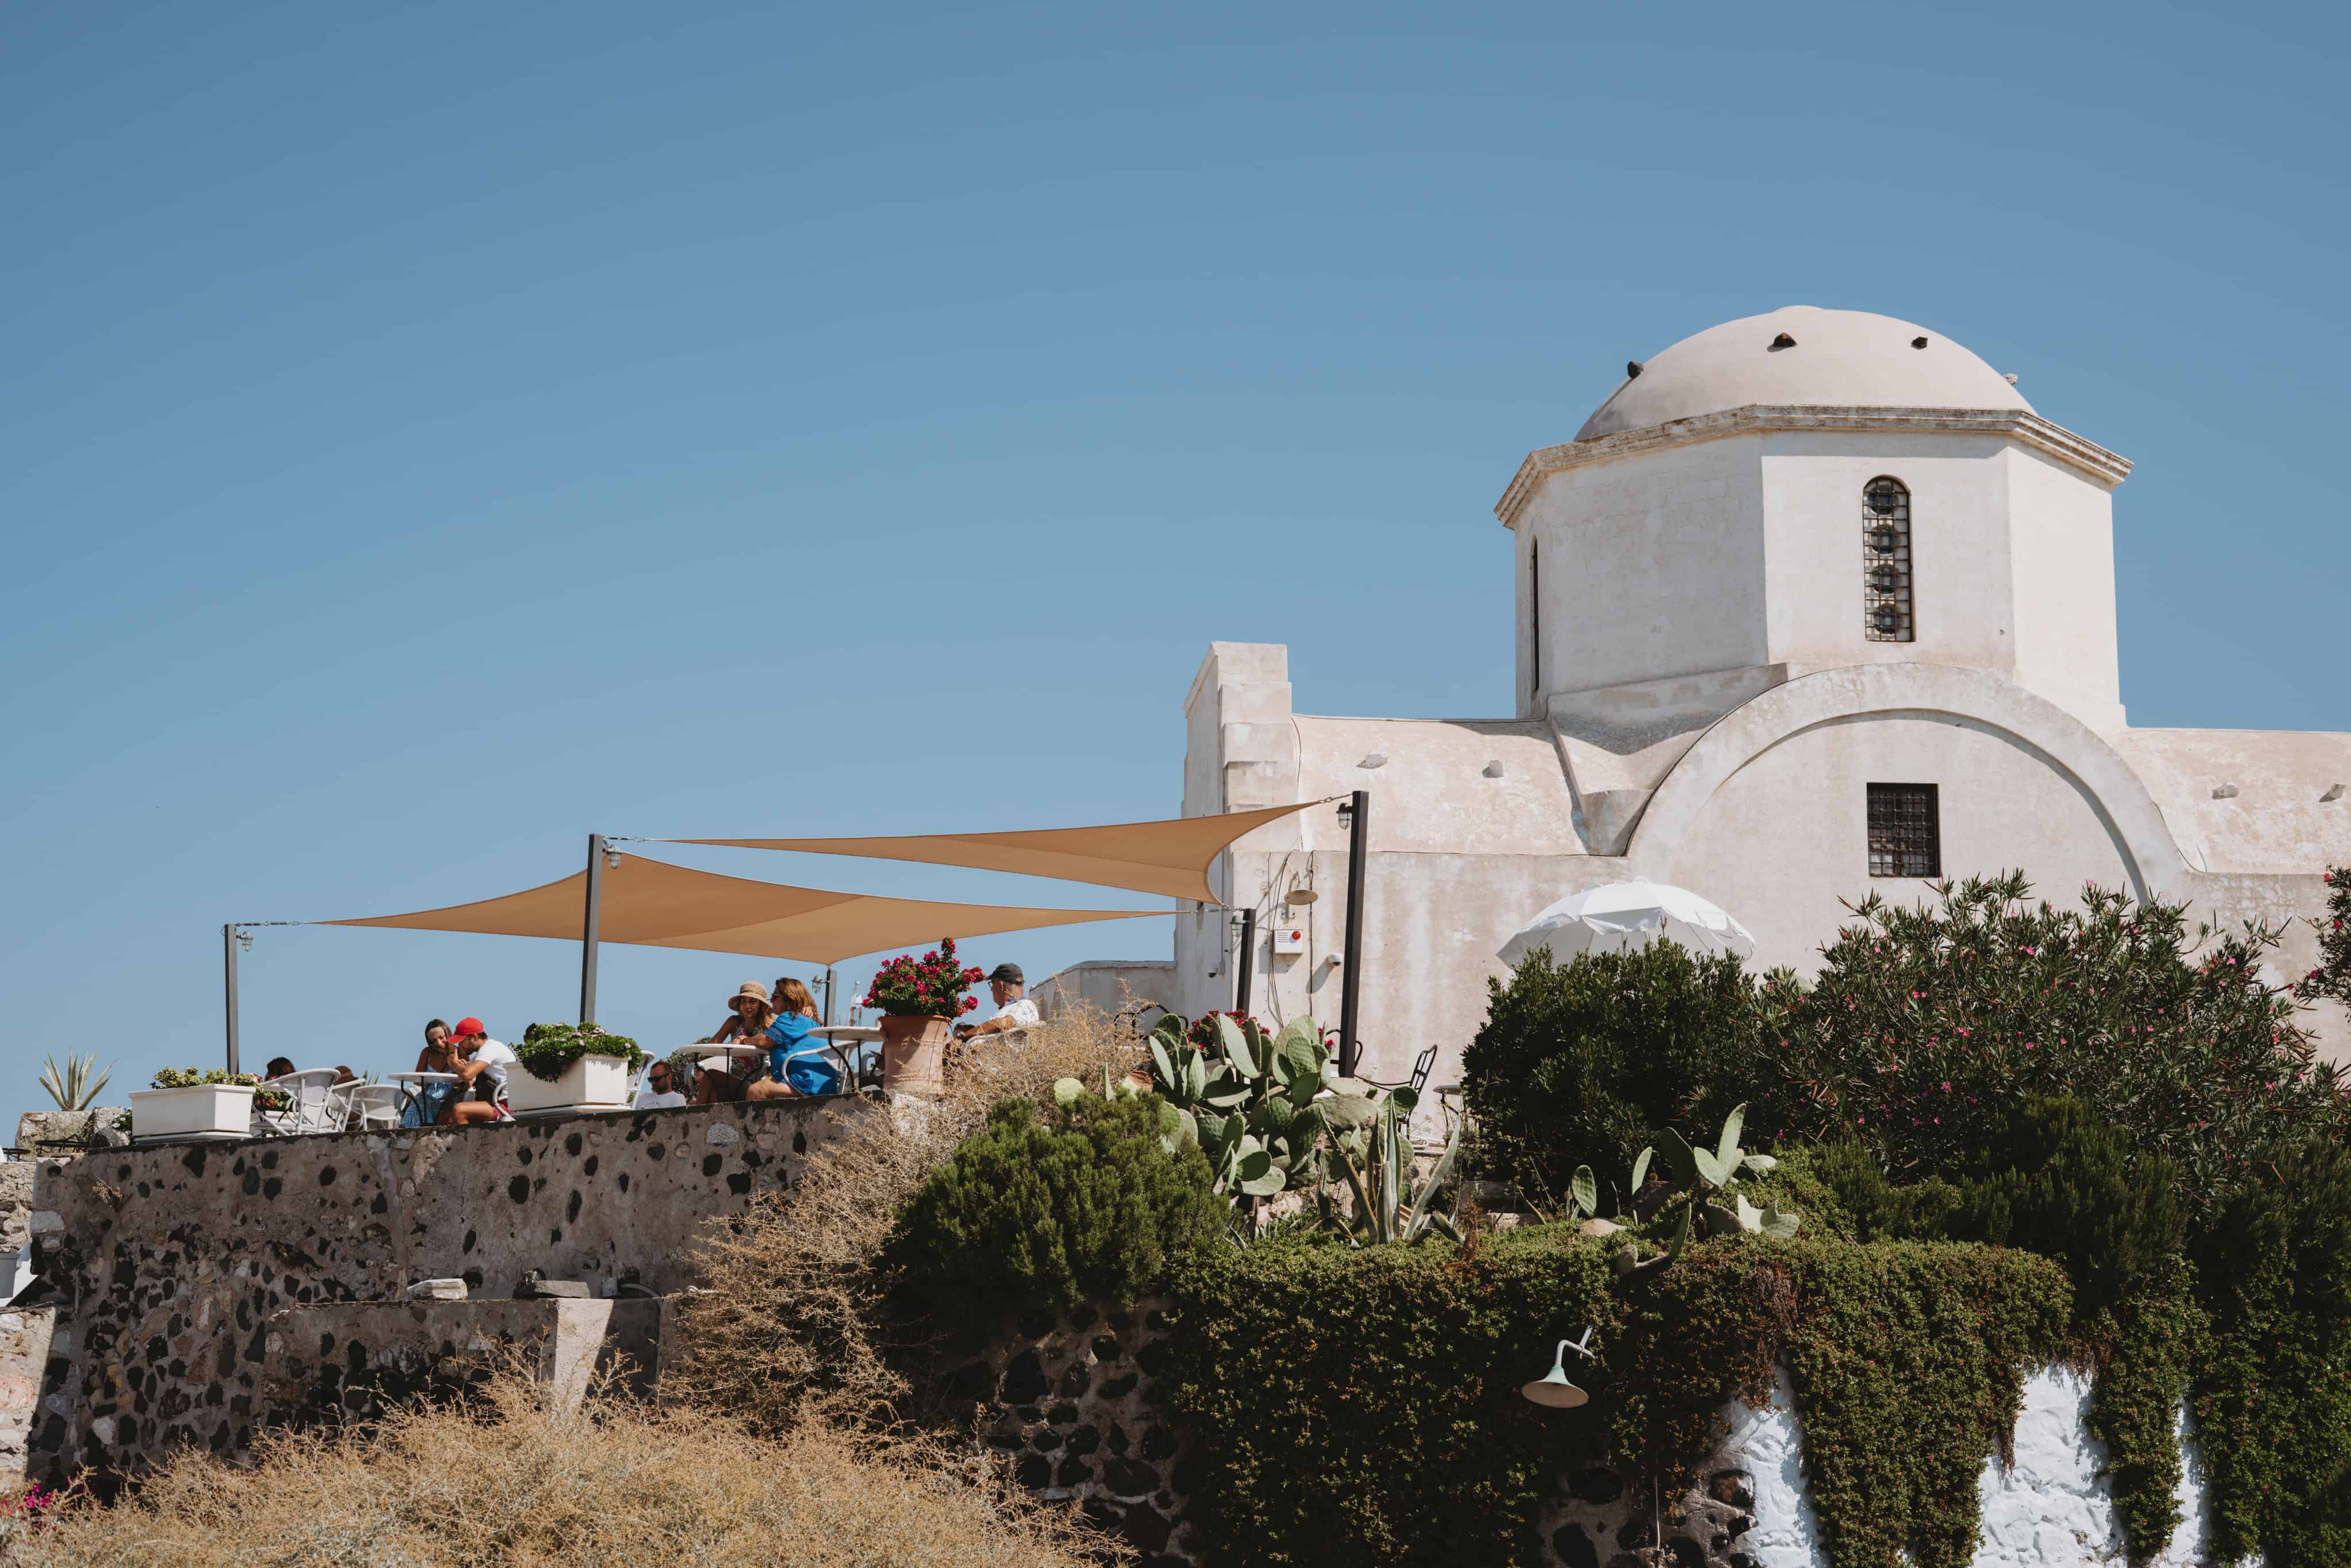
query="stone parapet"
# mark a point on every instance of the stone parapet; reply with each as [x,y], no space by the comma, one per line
[173,1262]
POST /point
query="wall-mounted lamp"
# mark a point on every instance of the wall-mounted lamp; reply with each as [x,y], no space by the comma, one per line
[1552,1388]
[1298,896]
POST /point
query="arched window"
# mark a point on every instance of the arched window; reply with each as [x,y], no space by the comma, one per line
[1886,561]
[1534,618]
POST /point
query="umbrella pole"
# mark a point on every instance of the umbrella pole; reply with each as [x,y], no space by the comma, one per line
[1351,977]
[594,901]
[827,996]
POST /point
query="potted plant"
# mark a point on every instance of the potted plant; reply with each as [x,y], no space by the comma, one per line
[919,999]
[571,1067]
[185,1101]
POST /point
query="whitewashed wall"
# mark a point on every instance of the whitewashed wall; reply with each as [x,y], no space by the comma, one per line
[2050,1509]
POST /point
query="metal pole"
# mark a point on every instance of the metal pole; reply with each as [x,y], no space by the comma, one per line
[228,978]
[827,996]
[1352,965]
[595,901]
[1248,962]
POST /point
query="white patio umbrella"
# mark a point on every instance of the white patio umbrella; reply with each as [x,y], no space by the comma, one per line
[1626,915]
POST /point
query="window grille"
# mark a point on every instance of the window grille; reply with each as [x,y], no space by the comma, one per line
[1886,561]
[1905,830]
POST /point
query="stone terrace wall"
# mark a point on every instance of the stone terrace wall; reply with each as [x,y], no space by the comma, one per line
[1070,1401]
[171,1260]
[1067,1400]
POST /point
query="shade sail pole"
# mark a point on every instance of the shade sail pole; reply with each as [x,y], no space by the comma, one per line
[1351,977]
[594,901]
[228,987]
[1248,962]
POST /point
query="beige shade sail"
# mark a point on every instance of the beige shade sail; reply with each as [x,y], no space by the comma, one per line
[1171,858]
[651,904]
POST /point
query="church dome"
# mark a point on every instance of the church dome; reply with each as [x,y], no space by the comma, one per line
[1801,355]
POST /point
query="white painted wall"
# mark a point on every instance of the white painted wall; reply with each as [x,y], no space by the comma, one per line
[2064,549]
[1785,838]
[2053,1508]
[1813,484]
[1652,566]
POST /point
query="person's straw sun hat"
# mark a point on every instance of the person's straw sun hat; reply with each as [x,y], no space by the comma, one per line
[753,989]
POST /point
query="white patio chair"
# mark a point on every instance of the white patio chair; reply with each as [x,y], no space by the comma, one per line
[375,1106]
[317,1106]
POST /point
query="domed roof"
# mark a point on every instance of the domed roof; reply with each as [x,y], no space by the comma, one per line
[1841,359]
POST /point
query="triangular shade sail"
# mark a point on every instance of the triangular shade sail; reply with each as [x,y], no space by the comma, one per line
[1171,858]
[650,904]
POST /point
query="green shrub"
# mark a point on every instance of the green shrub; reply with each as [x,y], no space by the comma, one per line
[548,1049]
[1586,1062]
[1359,1407]
[199,1078]
[1927,1027]
[2272,1385]
[1045,1213]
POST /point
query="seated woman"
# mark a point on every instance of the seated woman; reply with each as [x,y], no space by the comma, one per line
[798,1063]
[424,1107]
[746,1024]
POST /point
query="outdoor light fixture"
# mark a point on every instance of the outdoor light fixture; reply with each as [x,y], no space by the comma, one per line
[1552,1388]
[244,940]
[611,858]
[1308,896]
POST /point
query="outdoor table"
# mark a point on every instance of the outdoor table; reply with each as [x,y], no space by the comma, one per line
[412,1085]
[841,1037]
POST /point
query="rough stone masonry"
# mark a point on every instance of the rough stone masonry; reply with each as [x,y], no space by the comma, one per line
[170,1264]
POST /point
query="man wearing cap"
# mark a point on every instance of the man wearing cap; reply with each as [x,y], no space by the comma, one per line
[1013,1009]
[481,1068]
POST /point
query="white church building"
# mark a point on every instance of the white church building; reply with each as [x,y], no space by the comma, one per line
[1814,605]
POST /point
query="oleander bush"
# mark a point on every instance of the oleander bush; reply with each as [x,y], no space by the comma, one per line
[1927,1025]
[1046,1209]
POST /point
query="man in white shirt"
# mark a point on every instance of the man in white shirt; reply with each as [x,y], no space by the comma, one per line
[659,1091]
[1013,1009]
[481,1068]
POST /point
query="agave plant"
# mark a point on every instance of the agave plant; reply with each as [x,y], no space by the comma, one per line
[77,1086]
[1390,1204]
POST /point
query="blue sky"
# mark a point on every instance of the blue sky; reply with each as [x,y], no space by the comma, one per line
[430,435]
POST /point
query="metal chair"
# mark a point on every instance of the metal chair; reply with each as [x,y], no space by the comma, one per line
[314,1105]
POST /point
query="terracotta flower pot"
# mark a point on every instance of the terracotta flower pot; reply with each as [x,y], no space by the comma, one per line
[913,1055]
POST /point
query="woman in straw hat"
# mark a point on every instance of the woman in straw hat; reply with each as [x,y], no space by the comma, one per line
[747,1022]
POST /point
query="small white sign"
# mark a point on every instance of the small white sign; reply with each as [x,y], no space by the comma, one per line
[1290,939]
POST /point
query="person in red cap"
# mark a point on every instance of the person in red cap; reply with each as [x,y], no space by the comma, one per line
[481,1069]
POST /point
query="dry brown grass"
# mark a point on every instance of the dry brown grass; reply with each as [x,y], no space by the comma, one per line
[795,1325]
[512,1480]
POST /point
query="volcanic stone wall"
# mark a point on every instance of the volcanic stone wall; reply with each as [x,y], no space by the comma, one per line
[170,1262]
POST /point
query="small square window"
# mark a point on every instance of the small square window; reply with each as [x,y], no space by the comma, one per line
[1905,830]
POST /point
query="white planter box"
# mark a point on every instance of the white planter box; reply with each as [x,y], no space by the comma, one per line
[177,1113]
[591,1083]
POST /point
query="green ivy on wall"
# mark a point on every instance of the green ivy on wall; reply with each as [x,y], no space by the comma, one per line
[1362,1407]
